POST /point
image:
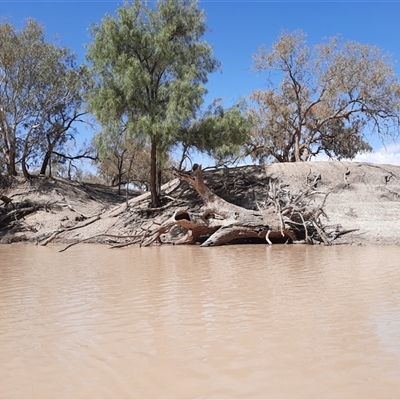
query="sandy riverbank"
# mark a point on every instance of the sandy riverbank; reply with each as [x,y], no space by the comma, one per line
[362,196]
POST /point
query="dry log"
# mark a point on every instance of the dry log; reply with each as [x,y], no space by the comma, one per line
[18,213]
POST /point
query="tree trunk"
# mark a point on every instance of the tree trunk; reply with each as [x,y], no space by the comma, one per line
[8,144]
[10,161]
[297,156]
[159,182]
[45,162]
[153,173]
[25,171]
[25,151]
[120,173]
[9,155]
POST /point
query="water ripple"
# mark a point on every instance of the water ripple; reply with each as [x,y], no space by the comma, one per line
[234,321]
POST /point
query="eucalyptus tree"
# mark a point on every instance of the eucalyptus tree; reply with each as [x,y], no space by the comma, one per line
[66,87]
[40,95]
[150,66]
[327,98]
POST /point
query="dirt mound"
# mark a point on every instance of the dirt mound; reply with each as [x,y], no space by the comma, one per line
[362,196]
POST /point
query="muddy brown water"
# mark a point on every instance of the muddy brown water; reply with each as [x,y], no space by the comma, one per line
[187,322]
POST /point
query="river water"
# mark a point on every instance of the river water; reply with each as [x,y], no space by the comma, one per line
[250,321]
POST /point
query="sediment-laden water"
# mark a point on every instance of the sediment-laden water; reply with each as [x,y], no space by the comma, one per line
[187,322]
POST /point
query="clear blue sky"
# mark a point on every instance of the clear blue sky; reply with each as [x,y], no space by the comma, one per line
[236,31]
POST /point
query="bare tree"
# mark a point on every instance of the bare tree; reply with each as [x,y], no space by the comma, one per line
[322,99]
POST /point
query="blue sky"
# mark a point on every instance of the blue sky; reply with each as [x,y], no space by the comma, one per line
[236,31]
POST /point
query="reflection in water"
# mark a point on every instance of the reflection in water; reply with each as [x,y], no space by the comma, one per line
[187,322]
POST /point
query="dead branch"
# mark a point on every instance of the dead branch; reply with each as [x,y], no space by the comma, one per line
[89,238]
[19,212]
[70,206]
[321,233]
[77,226]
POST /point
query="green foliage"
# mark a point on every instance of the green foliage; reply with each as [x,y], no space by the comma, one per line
[329,98]
[40,95]
[218,132]
[149,68]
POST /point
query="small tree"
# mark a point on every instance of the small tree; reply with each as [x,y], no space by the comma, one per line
[328,98]
[122,157]
[149,68]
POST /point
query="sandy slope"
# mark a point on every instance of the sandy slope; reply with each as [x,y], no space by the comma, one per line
[368,201]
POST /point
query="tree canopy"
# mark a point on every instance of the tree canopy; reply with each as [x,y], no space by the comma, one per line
[218,132]
[40,95]
[150,66]
[327,98]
